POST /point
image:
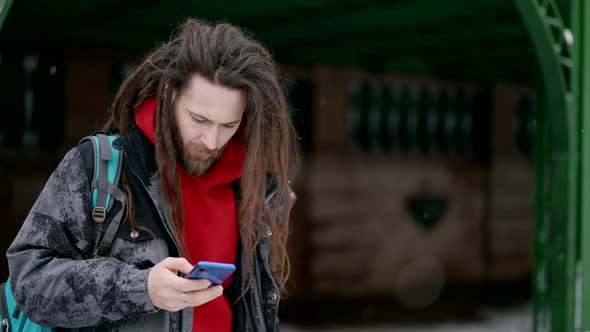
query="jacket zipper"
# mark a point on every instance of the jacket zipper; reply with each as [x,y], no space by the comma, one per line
[270,196]
[4,309]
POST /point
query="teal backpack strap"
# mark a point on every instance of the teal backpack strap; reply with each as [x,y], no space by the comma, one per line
[108,165]
[11,318]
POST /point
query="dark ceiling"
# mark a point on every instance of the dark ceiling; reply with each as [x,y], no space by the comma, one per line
[480,40]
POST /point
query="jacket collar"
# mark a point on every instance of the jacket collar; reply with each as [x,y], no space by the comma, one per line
[140,154]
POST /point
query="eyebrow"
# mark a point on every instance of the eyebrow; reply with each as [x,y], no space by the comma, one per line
[206,119]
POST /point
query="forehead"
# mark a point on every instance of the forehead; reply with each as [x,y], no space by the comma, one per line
[213,101]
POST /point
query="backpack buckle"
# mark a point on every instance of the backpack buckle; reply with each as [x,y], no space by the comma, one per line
[99,214]
[96,255]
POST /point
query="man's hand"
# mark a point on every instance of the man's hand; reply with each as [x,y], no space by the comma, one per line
[170,292]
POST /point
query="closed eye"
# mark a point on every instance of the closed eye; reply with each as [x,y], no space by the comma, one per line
[199,120]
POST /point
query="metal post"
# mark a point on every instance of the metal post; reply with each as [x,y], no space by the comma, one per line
[4,7]
[580,11]
[557,166]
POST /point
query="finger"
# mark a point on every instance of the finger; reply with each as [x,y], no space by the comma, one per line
[177,264]
[203,296]
[191,285]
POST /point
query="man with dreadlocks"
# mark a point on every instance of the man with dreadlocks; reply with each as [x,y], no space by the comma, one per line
[209,150]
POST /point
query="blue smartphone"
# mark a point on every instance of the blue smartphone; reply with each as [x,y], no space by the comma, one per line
[216,273]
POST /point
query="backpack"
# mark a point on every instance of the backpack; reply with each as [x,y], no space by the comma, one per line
[107,170]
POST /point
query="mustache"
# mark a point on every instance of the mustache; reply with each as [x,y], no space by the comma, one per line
[205,149]
[202,148]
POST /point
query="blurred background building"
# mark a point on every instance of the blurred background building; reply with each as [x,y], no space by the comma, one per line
[418,120]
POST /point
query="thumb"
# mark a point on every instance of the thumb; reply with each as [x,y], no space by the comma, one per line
[177,264]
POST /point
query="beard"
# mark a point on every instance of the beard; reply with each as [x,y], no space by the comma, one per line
[198,165]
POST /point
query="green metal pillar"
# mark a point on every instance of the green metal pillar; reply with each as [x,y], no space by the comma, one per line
[4,7]
[556,242]
[580,11]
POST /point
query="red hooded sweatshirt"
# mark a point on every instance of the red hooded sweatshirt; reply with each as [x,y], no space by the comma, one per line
[210,218]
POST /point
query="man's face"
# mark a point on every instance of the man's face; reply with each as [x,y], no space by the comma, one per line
[207,116]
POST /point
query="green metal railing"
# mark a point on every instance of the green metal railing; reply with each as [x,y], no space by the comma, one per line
[4,7]
[562,238]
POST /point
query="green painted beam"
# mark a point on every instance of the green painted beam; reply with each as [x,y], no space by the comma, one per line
[405,15]
[541,229]
[419,33]
[463,53]
[581,27]
[394,41]
[4,7]
[557,210]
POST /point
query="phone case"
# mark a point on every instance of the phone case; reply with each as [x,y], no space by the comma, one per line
[215,272]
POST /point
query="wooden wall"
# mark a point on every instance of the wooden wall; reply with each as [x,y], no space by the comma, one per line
[355,235]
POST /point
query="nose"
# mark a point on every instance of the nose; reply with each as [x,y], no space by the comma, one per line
[210,138]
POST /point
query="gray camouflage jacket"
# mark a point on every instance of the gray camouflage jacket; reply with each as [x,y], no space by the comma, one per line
[56,282]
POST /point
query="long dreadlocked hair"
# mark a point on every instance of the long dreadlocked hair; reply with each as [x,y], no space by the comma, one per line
[224,55]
